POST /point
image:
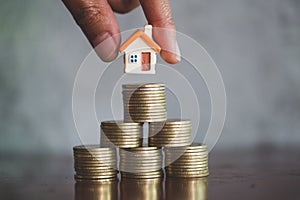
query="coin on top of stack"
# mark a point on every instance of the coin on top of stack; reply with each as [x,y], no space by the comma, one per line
[91,162]
[170,133]
[141,162]
[190,161]
[144,102]
[121,134]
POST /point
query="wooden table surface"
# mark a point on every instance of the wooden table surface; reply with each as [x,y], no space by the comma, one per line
[240,174]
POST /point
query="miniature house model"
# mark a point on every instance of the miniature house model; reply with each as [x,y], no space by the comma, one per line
[140,52]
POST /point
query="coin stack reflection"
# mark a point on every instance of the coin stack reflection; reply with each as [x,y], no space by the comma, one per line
[121,134]
[171,133]
[141,162]
[100,190]
[187,162]
[186,188]
[92,162]
[142,189]
[144,103]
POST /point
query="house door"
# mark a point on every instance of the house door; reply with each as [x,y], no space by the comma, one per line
[145,61]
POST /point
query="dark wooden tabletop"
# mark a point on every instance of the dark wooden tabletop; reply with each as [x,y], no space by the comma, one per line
[240,174]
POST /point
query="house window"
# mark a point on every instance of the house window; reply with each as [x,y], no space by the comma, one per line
[133,58]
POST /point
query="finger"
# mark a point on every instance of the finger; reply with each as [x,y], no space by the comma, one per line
[123,6]
[99,24]
[159,15]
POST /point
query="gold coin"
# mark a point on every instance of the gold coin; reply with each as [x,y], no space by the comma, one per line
[127,145]
[121,128]
[102,159]
[148,105]
[166,144]
[172,122]
[145,109]
[167,124]
[123,134]
[163,141]
[140,171]
[141,161]
[187,172]
[137,155]
[102,172]
[188,159]
[139,151]
[191,171]
[93,158]
[193,166]
[117,130]
[94,155]
[169,141]
[148,116]
[146,85]
[144,96]
[123,138]
[171,135]
[94,170]
[123,141]
[185,150]
[188,176]
[188,165]
[104,163]
[144,90]
[155,174]
[91,148]
[118,123]
[140,167]
[144,100]
[143,149]
[167,129]
[145,120]
[95,177]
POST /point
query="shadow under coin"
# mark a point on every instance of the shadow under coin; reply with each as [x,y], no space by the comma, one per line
[137,189]
[186,188]
[93,190]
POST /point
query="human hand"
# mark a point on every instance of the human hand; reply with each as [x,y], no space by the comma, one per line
[99,24]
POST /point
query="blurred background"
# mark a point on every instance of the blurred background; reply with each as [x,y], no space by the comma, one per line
[256,45]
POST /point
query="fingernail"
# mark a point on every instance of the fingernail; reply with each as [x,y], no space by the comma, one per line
[177,52]
[105,47]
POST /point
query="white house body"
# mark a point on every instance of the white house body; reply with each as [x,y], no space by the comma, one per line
[140,52]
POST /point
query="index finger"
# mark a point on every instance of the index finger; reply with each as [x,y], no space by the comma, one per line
[159,15]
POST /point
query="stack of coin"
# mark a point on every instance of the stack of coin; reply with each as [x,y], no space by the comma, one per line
[92,162]
[190,161]
[121,134]
[144,102]
[171,133]
[141,162]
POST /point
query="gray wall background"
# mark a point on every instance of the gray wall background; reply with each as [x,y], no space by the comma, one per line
[255,43]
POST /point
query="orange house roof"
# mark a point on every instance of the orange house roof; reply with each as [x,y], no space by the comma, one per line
[146,38]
